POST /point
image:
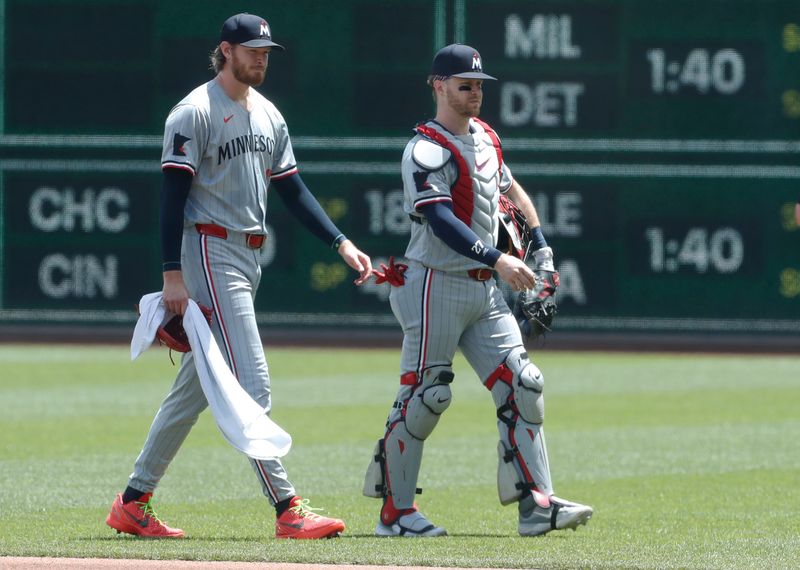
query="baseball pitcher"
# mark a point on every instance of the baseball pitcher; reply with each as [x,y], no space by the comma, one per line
[224,145]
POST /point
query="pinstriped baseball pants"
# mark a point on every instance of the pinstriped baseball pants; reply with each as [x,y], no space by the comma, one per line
[441,312]
[224,275]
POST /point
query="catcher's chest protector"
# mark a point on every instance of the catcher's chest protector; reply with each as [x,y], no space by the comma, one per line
[475,191]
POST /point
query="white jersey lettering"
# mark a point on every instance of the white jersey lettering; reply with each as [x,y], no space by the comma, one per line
[231,153]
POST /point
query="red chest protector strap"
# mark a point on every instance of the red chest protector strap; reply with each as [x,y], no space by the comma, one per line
[461,191]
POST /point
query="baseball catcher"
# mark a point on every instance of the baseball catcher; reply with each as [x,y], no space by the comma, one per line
[473,225]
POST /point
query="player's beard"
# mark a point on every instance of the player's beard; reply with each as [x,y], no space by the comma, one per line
[469,108]
[248,75]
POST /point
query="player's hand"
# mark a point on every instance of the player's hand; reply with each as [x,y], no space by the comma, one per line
[356,259]
[515,272]
[175,294]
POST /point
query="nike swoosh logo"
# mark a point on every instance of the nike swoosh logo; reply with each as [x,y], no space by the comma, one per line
[141,522]
[442,400]
[480,166]
[226,119]
[298,526]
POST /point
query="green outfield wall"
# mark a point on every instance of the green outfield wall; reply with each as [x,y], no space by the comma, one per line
[660,141]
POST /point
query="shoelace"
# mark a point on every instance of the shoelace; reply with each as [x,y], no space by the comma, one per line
[303,510]
[147,509]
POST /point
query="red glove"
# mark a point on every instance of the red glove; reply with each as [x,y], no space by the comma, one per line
[393,274]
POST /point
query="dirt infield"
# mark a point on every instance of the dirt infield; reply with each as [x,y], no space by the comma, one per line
[15,563]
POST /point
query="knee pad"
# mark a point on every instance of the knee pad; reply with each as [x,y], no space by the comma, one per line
[429,401]
[527,384]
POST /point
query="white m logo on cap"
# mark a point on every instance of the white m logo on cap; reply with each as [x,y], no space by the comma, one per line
[264,29]
[476,62]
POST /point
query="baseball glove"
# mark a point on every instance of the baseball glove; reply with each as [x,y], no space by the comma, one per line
[535,308]
[172,334]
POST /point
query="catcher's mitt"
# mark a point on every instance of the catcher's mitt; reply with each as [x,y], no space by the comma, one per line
[173,335]
[535,308]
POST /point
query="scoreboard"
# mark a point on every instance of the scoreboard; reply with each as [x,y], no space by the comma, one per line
[659,141]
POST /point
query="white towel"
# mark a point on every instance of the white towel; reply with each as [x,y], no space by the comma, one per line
[244,423]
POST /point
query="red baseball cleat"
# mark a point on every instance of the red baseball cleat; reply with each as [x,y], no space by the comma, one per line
[298,521]
[139,518]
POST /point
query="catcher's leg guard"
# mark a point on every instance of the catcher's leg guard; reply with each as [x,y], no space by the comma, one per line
[415,415]
[516,388]
[375,478]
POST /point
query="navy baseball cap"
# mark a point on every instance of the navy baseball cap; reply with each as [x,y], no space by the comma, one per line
[248,30]
[458,60]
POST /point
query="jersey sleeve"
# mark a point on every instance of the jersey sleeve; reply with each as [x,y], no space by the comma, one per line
[422,186]
[185,135]
[284,163]
[506,179]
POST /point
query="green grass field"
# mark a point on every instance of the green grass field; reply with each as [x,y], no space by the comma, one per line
[689,461]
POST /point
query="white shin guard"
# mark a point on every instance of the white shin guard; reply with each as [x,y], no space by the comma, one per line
[509,484]
[522,452]
[374,479]
[397,458]
[403,460]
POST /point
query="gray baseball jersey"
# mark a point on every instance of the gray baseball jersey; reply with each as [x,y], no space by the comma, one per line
[424,186]
[232,154]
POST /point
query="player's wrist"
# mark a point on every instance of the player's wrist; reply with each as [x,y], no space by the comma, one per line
[173,276]
[493,255]
[537,238]
[338,241]
[171,266]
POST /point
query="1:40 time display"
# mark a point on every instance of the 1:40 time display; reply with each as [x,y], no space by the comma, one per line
[704,70]
[697,69]
[699,249]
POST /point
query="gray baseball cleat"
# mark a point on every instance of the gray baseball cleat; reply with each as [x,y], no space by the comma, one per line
[535,520]
[410,525]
